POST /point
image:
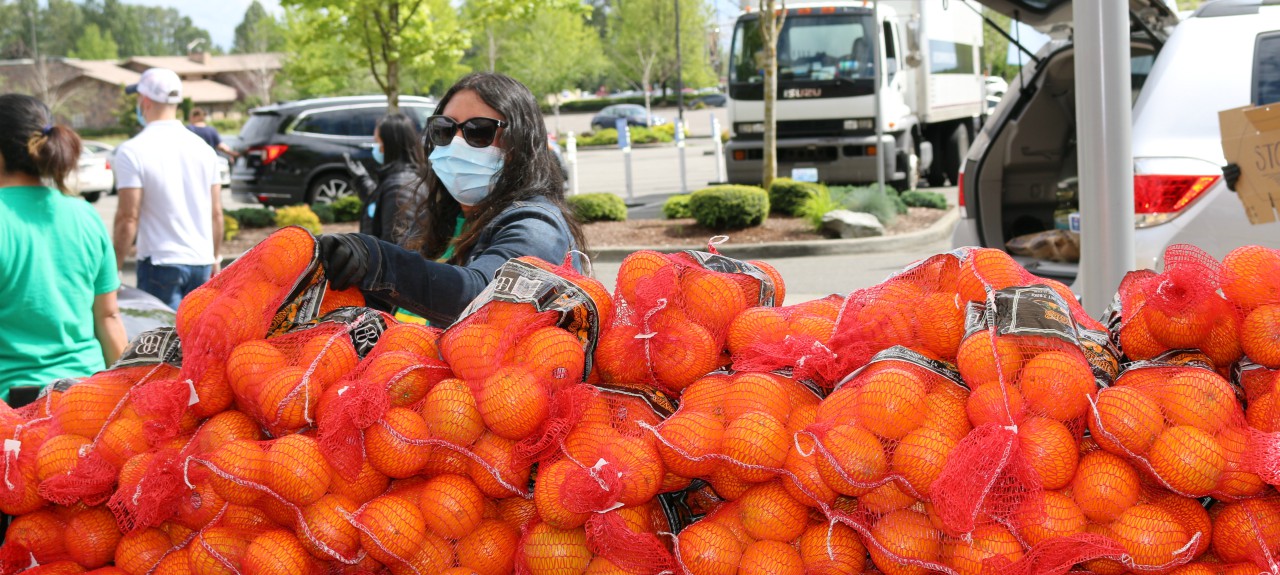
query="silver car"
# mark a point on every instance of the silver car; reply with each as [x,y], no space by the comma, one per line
[93,176]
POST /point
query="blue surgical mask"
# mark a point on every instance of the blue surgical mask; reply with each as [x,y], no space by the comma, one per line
[467,172]
[378,156]
[142,120]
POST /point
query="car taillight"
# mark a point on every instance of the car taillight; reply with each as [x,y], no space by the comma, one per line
[1159,198]
[268,153]
[960,193]
[107,163]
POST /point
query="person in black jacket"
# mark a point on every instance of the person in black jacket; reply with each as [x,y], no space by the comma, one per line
[389,202]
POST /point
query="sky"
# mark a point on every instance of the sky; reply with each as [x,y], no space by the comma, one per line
[220,18]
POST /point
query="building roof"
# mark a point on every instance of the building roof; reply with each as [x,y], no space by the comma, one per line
[185,66]
[208,92]
[107,71]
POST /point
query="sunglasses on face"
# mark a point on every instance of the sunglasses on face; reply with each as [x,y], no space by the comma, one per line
[476,132]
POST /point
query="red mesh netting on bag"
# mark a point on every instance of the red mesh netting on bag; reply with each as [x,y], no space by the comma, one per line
[1181,423]
[1251,283]
[1259,385]
[793,337]
[1247,533]
[674,315]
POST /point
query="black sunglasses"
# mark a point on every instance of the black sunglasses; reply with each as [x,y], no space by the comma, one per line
[477,132]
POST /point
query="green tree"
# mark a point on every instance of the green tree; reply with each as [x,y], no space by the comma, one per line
[637,41]
[554,50]
[995,47]
[318,65]
[94,45]
[695,25]
[258,32]
[490,16]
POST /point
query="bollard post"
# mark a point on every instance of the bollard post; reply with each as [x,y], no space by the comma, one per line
[624,142]
[571,150]
[719,146]
[684,181]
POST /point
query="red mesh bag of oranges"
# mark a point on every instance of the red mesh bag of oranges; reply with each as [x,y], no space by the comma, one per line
[1251,283]
[757,536]
[60,539]
[606,474]
[675,313]
[1260,386]
[632,544]
[795,338]
[1180,423]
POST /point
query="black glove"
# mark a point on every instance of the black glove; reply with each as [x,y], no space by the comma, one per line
[356,168]
[345,259]
[1231,173]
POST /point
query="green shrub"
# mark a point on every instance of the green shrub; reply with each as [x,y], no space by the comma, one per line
[325,212]
[677,207]
[878,202]
[347,209]
[818,205]
[250,218]
[919,199]
[227,125]
[787,195]
[300,215]
[729,207]
[605,137]
[230,228]
[598,207]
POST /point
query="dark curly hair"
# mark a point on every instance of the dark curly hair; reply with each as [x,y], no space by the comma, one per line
[529,170]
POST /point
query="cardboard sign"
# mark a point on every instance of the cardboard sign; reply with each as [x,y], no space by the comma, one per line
[1251,140]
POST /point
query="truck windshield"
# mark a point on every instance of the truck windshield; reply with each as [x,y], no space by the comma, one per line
[811,47]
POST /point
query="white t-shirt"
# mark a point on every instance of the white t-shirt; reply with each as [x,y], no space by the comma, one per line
[176,171]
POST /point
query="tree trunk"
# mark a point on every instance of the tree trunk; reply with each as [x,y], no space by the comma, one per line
[493,49]
[393,63]
[648,104]
[770,33]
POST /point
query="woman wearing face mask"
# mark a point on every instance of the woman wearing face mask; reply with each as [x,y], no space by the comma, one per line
[494,192]
[388,202]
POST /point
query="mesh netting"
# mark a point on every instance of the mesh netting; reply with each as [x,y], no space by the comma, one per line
[794,337]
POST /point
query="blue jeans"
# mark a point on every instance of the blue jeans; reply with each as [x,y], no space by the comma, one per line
[170,283]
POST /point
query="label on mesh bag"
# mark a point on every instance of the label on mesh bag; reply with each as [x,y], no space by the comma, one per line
[303,304]
[724,265]
[689,505]
[1174,358]
[899,353]
[364,326]
[657,401]
[1241,370]
[1103,356]
[522,282]
[1033,311]
[152,347]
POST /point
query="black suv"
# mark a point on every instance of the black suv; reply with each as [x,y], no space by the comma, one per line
[293,150]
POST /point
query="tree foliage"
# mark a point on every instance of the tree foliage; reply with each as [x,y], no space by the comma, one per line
[641,44]
[554,50]
[258,32]
[95,45]
[56,28]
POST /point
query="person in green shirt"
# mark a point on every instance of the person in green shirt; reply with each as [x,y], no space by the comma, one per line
[58,281]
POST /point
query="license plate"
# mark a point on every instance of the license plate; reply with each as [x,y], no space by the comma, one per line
[804,174]
[1074,222]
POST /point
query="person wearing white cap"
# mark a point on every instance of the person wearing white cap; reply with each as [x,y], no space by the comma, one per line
[170,199]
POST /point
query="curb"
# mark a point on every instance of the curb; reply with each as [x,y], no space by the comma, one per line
[937,231]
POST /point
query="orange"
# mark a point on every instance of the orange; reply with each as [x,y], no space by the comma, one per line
[245,519]
[420,340]
[277,552]
[553,355]
[139,551]
[548,494]
[819,328]
[451,413]
[1189,460]
[755,325]
[1136,340]
[59,455]
[991,544]
[1051,450]
[980,362]
[226,427]
[122,439]
[1223,343]
[840,406]
[1238,480]
[218,551]
[757,392]
[1241,528]
[1191,515]
[336,299]
[407,377]
[213,391]
[945,411]
[882,320]
[1058,385]
[513,403]
[984,268]
[682,352]
[471,348]
[505,314]
[891,403]
[1053,514]
[921,456]
[641,467]
[56,568]
[854,460]
[287,402]
[1149,534]
[759,442]
[803,480]
[1104,486]
[41,533]
[728,484]
[616,355]
[198,507]
[369,483]
[452,505]
[686,440]
[251,361]
[1181,329]
[709,548]
[707,395]
[943,327]
[325,531]
[1248,276]
[1260,335]
[801,418]
[710,299]
[296,470]
[639,271]
[768,512]
[1126,421]
[551,551]
[770,558]
[393,529]
[779,286]
[887,498]
[517,512]
[495,472]
[91,537]
[490,548]
[1260,413]
[329,357]
[394,445]
[1198,398]
[995,403]
[832,548]
[192,308]
[906,535]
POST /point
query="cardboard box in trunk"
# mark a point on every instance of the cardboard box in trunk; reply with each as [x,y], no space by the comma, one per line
[1251,140]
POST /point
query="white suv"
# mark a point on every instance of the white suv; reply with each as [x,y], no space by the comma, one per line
[1020,174]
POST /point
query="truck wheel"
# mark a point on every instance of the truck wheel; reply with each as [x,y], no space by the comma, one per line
[908,163]
[329,187]
[957,148]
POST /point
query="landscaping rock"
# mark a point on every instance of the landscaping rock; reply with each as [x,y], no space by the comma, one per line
[846,224]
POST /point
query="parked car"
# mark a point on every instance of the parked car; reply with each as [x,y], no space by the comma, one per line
[93,172]
[292,151]
[1020,175]
[710,100]
[634,113]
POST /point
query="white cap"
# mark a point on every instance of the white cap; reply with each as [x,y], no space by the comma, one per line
[158,85]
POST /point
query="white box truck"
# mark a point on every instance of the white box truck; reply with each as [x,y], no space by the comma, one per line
[932,92]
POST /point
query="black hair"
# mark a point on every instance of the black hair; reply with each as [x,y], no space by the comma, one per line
[529,170]
[31,144]
[400,141]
